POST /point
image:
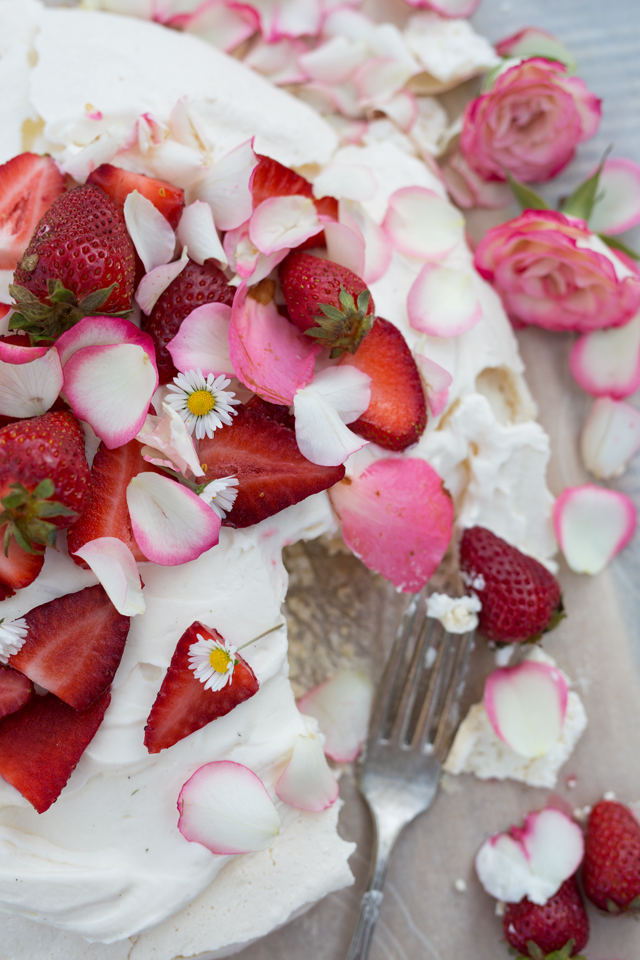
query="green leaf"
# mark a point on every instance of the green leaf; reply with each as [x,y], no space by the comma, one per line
[582,200]
[616,244]
[527,198]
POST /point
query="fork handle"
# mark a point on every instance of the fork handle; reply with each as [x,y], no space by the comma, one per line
[371,900]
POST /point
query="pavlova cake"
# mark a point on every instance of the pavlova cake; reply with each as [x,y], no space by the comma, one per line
[310,349]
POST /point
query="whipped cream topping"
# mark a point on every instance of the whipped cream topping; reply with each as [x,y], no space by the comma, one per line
[107,861]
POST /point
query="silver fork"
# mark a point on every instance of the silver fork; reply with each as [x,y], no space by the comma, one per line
[412,725]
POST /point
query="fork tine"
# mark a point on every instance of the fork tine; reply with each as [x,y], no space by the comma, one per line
[414,674]
[438,671]
[393,669]
[446,727]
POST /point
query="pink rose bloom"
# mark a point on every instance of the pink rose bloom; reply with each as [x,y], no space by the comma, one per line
[529,123]
[551,271]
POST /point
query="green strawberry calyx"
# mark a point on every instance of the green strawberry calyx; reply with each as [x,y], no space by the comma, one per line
[535,953]
[24,514]
[49,319]
[345,329]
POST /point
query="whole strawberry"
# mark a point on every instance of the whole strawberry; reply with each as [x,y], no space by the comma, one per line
[557,930]
[520,598]
[193,287]
[326,301]
[44,478]
[611,868]
[79,262]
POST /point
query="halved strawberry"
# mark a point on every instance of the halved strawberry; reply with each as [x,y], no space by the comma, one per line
[41,744]
[263,454]
[195,286]
[397,414]
[28,186]
[106,513]
[118,183]
[15,690]
[18,569]
[272,179]
[73,646]
[183,705]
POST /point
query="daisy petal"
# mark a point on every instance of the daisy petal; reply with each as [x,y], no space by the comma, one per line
[592,525]
[202,341]
[115,567]
[18,354]
[267,353]
[152,235]
[171,524]
[307,782]
[443,302]
[342,706]
[154,283]
[100,331]
[397,518]
[226,808]
[617,206]
[610,437]
[29,389]
[110,387]
[606,363]
[227,187]
[281,223]
[197,232]
[526,706]
[422,224]
[321,434]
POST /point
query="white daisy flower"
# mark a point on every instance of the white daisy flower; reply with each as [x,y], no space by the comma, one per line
[220,496]
[212,662]
[13,634]
[204,403]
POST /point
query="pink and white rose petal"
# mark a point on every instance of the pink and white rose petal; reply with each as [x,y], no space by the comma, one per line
[342,706]
[169,436]
[593,524]
[307,782]
[152,235]
[336,396]
[203,341]
[526,706]
[610,437]
[115,567]
[30,389]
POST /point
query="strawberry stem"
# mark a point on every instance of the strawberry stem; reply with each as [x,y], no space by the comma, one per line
[23,516]
[345,329]
[261,635]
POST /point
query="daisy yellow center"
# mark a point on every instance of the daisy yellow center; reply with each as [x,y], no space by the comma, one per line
[219,660]
[201,402]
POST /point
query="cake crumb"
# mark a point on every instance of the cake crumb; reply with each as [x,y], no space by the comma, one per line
[461,886]
[610,795]
[581,813]
[571,781]
[500,908]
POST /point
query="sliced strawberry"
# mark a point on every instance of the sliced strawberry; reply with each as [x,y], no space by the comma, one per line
[196,285]
[106,513]
[73,646]
[118,183]
[40,745]
[263,454]
[18,569]
[272,179]
[397,414]
[15,690]
[183,705]
[28,186]
[274,411]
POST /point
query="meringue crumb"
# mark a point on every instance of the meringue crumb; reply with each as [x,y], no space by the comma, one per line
[609,795]
[581,813]
[500,908]
[571,782]
[503,654]
[456,614]
[460,886]
[450,784]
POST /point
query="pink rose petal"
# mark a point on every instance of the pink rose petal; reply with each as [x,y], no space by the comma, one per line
[617,206]
[115,567]
[397,518]
[443,301]
[342,706]
[345,247]
[18,354]
[342,180]
[526,706]
[531,861]
[227,187]
[377,248]
[288,18]
[447,8]
[422,224]
[278,61]
[307,782]
[29,389]
[197,232]
[322,409]
[221,25]
[110,387]
[152,235]
[402,108]
[378,79]
[437,381]
[606,363]
[202,341]
[101,331]
[533,42]
[592,524]
[610,437]
[226,807]
[154,284]
[171,524]
[169,435]
[281,223]
[267,353]
[101,150]
[468,189]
